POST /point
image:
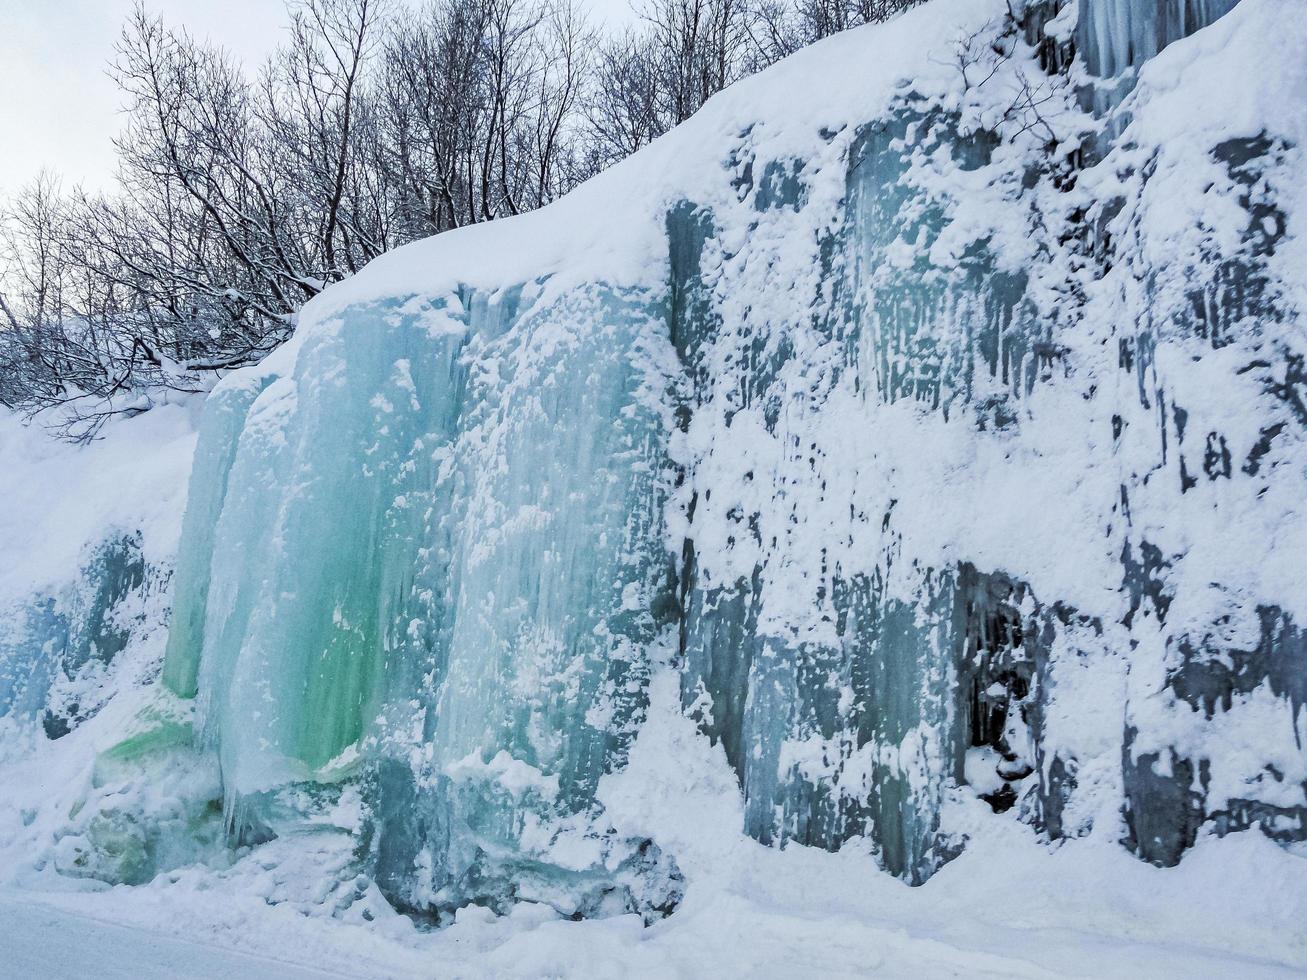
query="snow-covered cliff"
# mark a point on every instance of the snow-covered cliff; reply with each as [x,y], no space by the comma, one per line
[922,423]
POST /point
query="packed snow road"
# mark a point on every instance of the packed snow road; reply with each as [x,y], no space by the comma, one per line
[39,941]
[795,924]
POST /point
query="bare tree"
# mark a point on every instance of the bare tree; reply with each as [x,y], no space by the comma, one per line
[32,280]
[625,112]
[481,109]
[317,119]
[375,123]
[660,73]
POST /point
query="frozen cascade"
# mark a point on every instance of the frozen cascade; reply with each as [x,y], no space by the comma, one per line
[1116,35]
[860,417]
[855,733]
[224,417]
[491,647]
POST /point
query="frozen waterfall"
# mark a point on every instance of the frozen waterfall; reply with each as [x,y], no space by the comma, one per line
[919,438]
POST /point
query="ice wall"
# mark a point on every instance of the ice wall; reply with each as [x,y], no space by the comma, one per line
[1117,35]
[457,600]
[225,414]
[941,459]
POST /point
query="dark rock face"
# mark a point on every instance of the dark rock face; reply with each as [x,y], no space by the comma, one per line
[1162,811]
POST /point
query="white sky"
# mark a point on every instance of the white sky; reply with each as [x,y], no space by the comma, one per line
[58,108]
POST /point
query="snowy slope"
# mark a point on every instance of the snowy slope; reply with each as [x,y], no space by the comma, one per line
[902,458]
[88,537]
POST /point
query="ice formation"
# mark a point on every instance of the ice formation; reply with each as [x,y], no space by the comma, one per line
[1117,35]
[942,436]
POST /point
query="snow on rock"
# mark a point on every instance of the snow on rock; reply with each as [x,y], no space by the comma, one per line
[88,537]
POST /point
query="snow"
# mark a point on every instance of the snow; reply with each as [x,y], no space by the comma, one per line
[1008,908]
[613,222]
[421,650]
[43,940]
[60,498]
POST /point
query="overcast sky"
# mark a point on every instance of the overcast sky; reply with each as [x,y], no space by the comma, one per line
[58,109]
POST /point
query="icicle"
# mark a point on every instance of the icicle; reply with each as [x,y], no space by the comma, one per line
[1117,35]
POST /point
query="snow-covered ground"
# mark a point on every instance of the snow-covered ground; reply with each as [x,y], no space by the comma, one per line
[58,498]
[44,940]
[1232,910]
